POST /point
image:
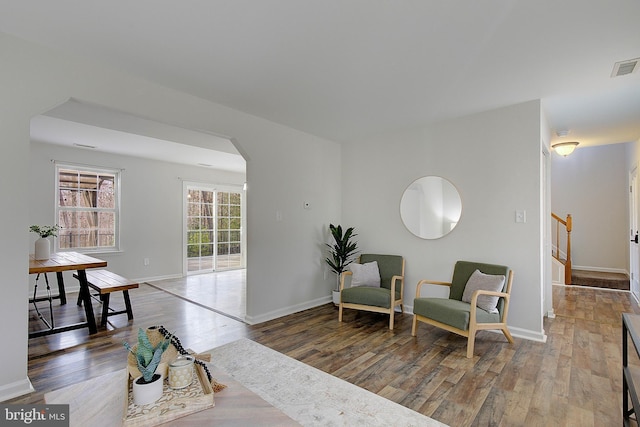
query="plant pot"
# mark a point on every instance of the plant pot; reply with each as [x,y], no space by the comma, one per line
[145,393]
[336,297]
[43,248]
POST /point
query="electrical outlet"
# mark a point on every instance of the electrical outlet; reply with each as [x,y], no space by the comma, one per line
[146,261]
[521,216]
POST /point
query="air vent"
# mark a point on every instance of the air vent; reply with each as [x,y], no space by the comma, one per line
[625,67]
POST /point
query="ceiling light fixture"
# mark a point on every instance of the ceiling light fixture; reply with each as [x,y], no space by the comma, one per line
[565,148]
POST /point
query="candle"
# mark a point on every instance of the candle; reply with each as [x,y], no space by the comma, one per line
[181,372]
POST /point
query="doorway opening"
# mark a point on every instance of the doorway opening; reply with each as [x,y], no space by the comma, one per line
[213,228]
[167,152]
[634,253]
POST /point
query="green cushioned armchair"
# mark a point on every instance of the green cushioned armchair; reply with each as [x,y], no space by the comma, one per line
[380,300]
[465,318]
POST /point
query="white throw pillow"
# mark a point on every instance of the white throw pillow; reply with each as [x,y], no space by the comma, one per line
[486,282]
[365,274]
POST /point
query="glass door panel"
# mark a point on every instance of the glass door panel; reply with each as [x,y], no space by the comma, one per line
[213,229]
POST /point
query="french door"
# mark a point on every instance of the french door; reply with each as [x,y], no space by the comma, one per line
[213,238]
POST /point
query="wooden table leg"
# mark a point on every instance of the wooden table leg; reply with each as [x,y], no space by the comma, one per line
[105,309]
[127,303]
[85,296]
[61,292]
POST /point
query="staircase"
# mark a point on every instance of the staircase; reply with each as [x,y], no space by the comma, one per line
[562,270]
[599,279]
[563,258]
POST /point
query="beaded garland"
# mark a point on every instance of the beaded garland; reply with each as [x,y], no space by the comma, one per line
[178,345]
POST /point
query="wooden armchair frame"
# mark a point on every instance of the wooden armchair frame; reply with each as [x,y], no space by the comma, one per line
[474,325]
[396,280]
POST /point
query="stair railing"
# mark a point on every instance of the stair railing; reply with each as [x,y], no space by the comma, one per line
[567,224]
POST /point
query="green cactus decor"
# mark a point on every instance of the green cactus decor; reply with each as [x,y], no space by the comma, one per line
[147,356]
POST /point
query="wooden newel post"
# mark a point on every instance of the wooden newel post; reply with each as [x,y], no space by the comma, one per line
[567,266]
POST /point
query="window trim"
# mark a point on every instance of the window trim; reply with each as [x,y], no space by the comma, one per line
[117,210]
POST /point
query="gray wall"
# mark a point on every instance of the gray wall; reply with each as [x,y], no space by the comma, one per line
[493,159]
[592,184]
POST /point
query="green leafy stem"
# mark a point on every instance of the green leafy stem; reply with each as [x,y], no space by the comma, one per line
[147,356]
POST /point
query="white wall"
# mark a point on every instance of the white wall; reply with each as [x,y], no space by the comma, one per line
[592,185]
[545,218]
[493,158]
[633,160]
[151,206]
[285,167]
[632,155]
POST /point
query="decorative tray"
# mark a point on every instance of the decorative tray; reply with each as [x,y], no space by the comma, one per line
[173,403]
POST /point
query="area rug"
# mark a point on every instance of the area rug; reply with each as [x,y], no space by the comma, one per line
[309,395]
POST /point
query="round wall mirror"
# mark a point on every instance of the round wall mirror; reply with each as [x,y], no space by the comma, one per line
[430,207]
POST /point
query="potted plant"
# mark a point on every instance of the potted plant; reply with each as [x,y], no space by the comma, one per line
[43,245]
[341,253]
[147,388]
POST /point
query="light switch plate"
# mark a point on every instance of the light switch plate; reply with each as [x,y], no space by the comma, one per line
[521,216]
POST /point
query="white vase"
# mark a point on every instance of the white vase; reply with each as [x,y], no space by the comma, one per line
[43,248]
[336,297]
[143,394]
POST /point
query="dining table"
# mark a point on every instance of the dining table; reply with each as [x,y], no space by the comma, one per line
[57,263]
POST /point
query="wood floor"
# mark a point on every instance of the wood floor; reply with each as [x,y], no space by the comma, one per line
[223,292]
[573,379]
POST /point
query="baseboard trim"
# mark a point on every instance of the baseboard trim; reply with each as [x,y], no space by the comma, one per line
[254,320]
[156,278]
[600,269]
[528,334]
[15,389]
[75,286]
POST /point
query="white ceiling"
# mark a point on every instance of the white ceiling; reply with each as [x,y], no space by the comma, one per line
[345,69]
[78,124]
